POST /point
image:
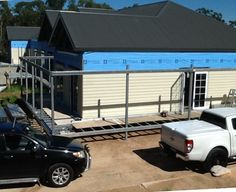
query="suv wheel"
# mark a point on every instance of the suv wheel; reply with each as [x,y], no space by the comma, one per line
[60,175]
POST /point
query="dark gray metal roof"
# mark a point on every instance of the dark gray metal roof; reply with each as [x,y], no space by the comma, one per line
[22,33]
[49,21]
[175,28]
[188,30]
[148,10]
[52,16]
[95,10]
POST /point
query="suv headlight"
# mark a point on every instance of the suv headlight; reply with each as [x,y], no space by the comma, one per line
[79,154]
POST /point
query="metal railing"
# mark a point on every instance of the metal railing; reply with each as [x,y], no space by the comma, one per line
[46,77]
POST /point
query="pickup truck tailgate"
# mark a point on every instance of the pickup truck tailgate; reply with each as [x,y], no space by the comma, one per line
[175,133]
[173,138]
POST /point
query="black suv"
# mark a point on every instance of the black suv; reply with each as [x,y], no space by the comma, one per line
[27,155]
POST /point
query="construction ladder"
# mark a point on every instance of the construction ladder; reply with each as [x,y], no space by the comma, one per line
[231,97]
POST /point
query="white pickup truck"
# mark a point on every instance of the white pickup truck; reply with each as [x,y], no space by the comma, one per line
[210,140]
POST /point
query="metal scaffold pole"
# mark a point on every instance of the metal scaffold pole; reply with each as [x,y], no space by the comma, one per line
[33,91]
[190,96]
[127,102]
[41,91]
[26,82]
[52,102]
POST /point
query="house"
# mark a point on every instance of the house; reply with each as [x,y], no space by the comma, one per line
[161,37]
[19,38]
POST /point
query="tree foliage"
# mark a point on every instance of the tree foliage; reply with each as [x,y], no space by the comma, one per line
[28,13]
[72,5]
[55,4]
[92,4]
[6,18]
[134,5]
[210,13]
[232,23]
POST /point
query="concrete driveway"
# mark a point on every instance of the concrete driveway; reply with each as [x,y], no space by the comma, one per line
[135,165]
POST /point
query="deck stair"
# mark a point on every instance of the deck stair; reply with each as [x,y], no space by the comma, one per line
[35,125]
[45,119]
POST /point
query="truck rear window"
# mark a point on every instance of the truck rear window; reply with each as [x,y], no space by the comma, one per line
[214,119]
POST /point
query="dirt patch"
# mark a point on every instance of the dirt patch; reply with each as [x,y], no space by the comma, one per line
[137,165]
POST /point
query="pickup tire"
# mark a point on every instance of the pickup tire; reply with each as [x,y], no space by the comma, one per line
[217,156]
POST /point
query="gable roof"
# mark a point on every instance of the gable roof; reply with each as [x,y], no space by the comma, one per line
[171,28]
[22,33]
[148,9]
[49,21]
[193,31]
[103,32]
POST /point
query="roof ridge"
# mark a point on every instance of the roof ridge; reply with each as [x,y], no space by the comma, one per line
[22,26]
[163,8]
[109,14]
[144,5]
[94,8]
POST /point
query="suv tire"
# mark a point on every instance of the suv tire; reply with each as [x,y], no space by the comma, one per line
[60,175]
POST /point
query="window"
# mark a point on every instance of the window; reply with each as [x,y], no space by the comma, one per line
[234,123]
[214,119]
[200,89]
[17,143]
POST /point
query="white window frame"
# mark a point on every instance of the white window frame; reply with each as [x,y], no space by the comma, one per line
[194,91]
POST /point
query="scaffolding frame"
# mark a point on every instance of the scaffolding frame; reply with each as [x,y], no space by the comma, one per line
[27,61]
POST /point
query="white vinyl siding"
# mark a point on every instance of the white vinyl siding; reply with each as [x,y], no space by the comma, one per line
[220,82]
[144,92]
[16,53]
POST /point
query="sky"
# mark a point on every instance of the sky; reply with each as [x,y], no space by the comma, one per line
[226,7]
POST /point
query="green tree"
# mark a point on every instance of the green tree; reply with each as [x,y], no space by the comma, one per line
[29,13]
[92,4]
[210,13]
[232,23]
[72,6]
[55,4]
[6,18]
[134,5]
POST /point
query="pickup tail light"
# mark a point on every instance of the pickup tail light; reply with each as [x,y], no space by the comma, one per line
[188,146]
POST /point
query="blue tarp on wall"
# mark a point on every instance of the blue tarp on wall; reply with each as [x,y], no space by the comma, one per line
[19,44]
[156,61]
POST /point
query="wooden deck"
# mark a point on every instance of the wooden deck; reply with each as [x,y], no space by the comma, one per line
[148,118]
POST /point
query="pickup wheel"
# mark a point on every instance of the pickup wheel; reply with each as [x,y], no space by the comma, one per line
[60,175]
[217,156]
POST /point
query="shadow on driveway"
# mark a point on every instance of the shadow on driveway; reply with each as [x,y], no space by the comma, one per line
[156,157]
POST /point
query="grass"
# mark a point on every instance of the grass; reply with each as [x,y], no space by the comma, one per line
[13,89]
[10,95]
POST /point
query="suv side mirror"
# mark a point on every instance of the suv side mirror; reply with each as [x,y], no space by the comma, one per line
[35,147]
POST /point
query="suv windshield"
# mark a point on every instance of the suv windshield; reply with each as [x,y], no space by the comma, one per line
[213,119]
[39,136]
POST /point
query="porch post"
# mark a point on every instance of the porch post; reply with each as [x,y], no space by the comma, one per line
[41,90]
[26,81]
[127,102]
[190,95]
[52,102]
